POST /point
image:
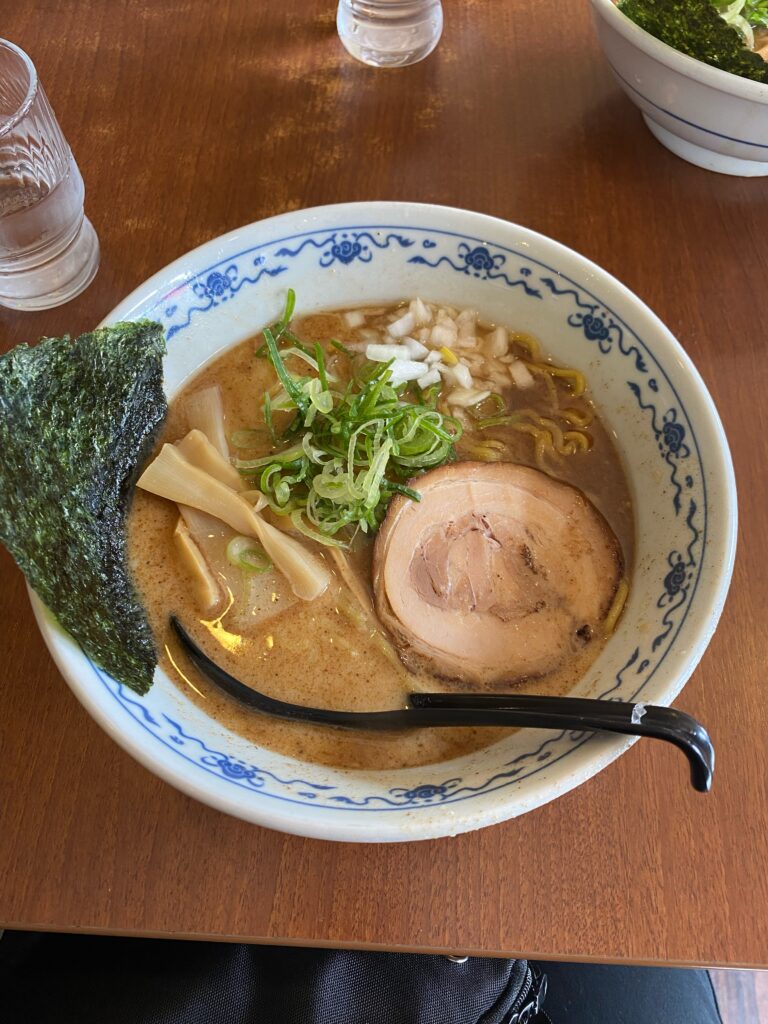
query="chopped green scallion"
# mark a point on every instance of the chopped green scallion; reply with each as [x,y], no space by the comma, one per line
[248,554]
[348,449]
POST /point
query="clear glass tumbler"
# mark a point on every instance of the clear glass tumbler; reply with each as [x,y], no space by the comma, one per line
[389,33]
[49,251]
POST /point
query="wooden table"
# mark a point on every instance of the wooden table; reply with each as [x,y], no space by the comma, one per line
[189,119]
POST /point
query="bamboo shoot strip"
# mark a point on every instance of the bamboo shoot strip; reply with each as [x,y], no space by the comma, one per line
[197,449]
[171,476]
[205,412]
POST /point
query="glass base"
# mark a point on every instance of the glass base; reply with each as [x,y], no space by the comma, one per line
[389,34]
[381,59]
[57,280]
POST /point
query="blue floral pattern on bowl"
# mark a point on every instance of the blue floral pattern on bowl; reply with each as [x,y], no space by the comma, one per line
[478,261]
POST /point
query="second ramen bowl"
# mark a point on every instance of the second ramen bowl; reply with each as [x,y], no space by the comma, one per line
[709,117]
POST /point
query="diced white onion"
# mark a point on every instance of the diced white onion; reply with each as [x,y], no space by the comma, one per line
[354,318]
[423,334]
[463,375]
[414,348]
[496,343]
[443,334]
[466,344]
[383,353]
[422,314]
[405,369]
[369,334]
[465,322]
[430,378]
[464,397]
[521,375]
[458,375]
[500,380]
[433,357]
[403,326]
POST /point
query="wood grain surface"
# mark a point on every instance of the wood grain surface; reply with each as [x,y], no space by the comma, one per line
[189,119]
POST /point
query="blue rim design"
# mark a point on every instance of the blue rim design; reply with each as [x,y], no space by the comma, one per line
[477,261]
[596,324]
[676,117]
[218,287]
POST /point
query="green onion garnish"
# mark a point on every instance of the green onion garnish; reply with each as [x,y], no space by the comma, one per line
[342,348]
[493,405]
[248,555]
[348,448]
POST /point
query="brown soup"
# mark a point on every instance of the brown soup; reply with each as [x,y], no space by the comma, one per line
[320,652]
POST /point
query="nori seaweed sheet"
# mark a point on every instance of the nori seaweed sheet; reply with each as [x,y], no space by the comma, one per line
[695,28]
[77,421]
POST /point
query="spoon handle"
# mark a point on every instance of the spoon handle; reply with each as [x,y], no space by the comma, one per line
[582,713]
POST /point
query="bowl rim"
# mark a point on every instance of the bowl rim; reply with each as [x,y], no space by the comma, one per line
[394,828]
[705,74]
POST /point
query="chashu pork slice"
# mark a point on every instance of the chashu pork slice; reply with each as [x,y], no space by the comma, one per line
[498,574]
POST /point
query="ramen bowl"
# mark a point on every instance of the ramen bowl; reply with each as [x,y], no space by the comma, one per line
[647,391]
[709,117]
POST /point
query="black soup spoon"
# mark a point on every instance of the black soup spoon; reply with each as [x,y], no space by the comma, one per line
[443,710]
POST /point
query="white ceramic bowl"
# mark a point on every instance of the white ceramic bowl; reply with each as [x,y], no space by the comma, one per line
[646,387]
[707,116]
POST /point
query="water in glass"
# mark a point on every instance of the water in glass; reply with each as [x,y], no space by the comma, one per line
[389,33]
[49,251]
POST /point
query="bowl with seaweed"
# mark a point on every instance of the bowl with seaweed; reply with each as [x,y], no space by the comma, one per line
[698,72]
[250,442]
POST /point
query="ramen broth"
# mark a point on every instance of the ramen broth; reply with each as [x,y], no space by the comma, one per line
[322,652]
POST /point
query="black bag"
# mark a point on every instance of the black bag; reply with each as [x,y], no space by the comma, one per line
[60,979]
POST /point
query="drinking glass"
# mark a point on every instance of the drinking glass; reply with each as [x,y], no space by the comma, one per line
[49,251]
[389,33]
